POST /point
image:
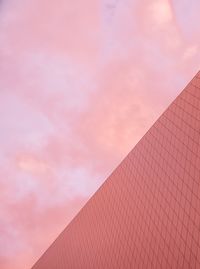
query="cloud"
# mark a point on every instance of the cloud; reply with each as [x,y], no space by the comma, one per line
[190,52]
[160,12]
[31,164]
[78,90]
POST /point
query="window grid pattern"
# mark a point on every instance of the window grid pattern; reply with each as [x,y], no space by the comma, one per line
[147,213]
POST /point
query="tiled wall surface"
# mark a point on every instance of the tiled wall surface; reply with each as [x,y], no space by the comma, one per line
[147,213]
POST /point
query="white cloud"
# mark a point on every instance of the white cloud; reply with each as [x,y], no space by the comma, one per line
[21,123]
[161,12]
[190,52]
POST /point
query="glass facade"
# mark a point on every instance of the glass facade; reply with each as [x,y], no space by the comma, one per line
[147,213]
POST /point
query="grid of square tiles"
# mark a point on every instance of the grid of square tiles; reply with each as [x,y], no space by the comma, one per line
[147,214]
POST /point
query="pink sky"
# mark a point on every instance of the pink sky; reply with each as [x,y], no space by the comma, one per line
[80,83]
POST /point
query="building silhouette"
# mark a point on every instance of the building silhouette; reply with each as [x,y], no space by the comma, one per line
[147,213]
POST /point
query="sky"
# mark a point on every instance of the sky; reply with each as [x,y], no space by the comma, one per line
[80,83]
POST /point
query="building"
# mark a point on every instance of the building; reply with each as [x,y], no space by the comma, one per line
[147,213]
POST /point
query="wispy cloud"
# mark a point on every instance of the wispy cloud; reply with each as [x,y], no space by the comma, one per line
[80,83]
